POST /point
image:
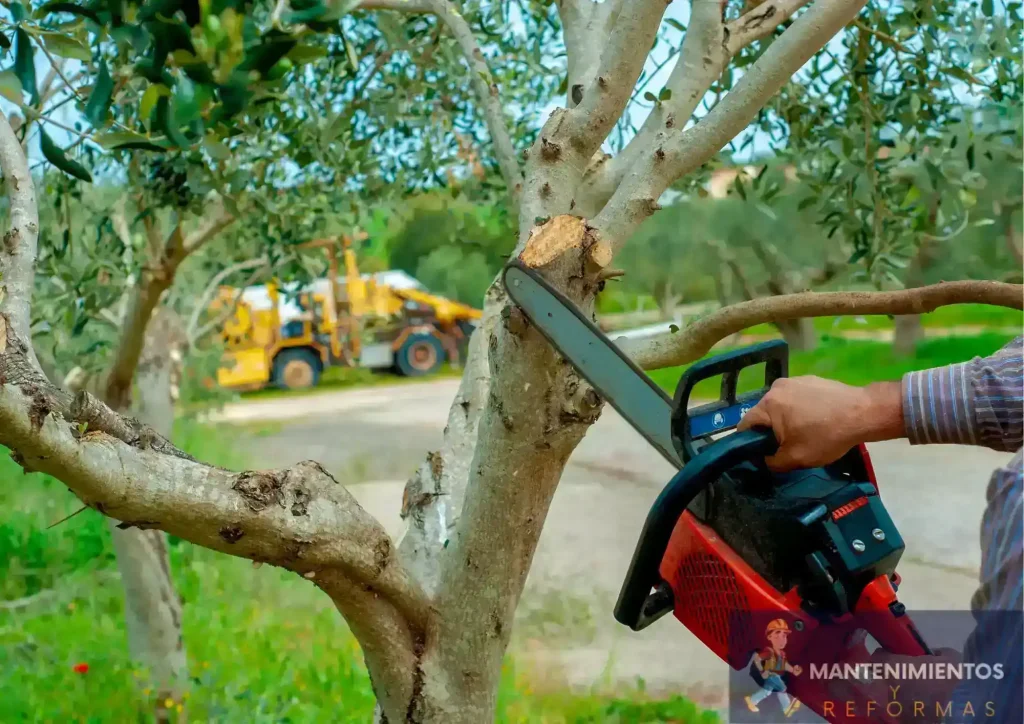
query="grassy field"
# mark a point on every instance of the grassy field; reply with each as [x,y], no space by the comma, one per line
[263,645]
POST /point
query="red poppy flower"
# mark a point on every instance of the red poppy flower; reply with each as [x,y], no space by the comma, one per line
[81,668]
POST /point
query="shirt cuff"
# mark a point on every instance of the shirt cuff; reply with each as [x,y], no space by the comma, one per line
[938,406]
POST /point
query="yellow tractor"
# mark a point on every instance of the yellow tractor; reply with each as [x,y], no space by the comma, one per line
[289,339]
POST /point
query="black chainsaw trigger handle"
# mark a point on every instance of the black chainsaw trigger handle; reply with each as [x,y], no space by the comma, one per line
[645,597]
[692,428]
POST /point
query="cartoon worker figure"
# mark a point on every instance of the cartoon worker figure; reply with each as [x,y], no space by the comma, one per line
[770,664]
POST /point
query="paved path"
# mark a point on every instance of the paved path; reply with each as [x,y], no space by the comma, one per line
[372,438]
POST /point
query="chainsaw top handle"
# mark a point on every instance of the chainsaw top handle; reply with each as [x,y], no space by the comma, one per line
[693,428]
[644,597]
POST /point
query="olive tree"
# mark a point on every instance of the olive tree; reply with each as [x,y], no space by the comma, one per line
[433,612]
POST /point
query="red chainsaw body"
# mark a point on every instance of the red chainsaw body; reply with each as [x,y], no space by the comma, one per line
[725,603]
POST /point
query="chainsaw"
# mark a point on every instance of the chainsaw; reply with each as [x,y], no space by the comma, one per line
[729,545]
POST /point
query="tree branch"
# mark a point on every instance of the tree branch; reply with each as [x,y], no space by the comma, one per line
[299,518]
[20,242]
[480,78]
[145,298]
[708,46]
[206,298]
[759,22]
[209,226]
[582,21]
[676,154]
[566,145]
[229,310]
[487,94]
[697,339]
[702,59]
[631,37]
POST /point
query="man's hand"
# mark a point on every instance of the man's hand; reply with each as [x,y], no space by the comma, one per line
[817,420]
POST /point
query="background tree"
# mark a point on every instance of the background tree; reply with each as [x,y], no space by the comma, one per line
[433,614]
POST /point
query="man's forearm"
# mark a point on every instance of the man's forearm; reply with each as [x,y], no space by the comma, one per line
[883,417]
[973,403]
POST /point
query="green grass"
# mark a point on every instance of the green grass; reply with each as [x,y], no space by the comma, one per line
[855,362]
[263,645]
[956,315]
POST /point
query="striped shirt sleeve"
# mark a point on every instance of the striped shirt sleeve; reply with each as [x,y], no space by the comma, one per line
[980,402]
[999,601]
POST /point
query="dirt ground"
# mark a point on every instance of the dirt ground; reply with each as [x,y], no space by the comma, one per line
[372,438]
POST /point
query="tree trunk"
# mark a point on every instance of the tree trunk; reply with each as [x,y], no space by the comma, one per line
[907,333]
[667,301]
[799,334]
[152,607]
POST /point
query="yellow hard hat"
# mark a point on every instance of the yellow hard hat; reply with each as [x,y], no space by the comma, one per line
[777,625]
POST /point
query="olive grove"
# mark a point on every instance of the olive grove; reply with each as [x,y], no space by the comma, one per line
[433,611]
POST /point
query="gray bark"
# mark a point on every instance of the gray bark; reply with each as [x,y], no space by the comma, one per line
[799,334]
[907,333]
[152,607]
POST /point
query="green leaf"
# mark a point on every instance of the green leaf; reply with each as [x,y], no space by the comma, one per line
[231,205]
[154,93]
[913,195]
[959,73]
[676,24]
[217,150]
[100,97]
[987,7]
[648,96]
[306,54]
[71,8]
[665,95]
[55,155]
[263,56]
[10,87]
[163,119]
[738,185]
[915,104]
[66,47]
[17,11]
[24,64]
[350,51]
[126,140]
[306,15]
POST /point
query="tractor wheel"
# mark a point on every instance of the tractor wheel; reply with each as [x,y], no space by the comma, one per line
[296,369]
[420,354]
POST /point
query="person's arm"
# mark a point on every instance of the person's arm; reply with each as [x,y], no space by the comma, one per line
[817,420]
[979,402]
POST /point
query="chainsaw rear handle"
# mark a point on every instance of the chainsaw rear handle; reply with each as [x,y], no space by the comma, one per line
[643,598]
